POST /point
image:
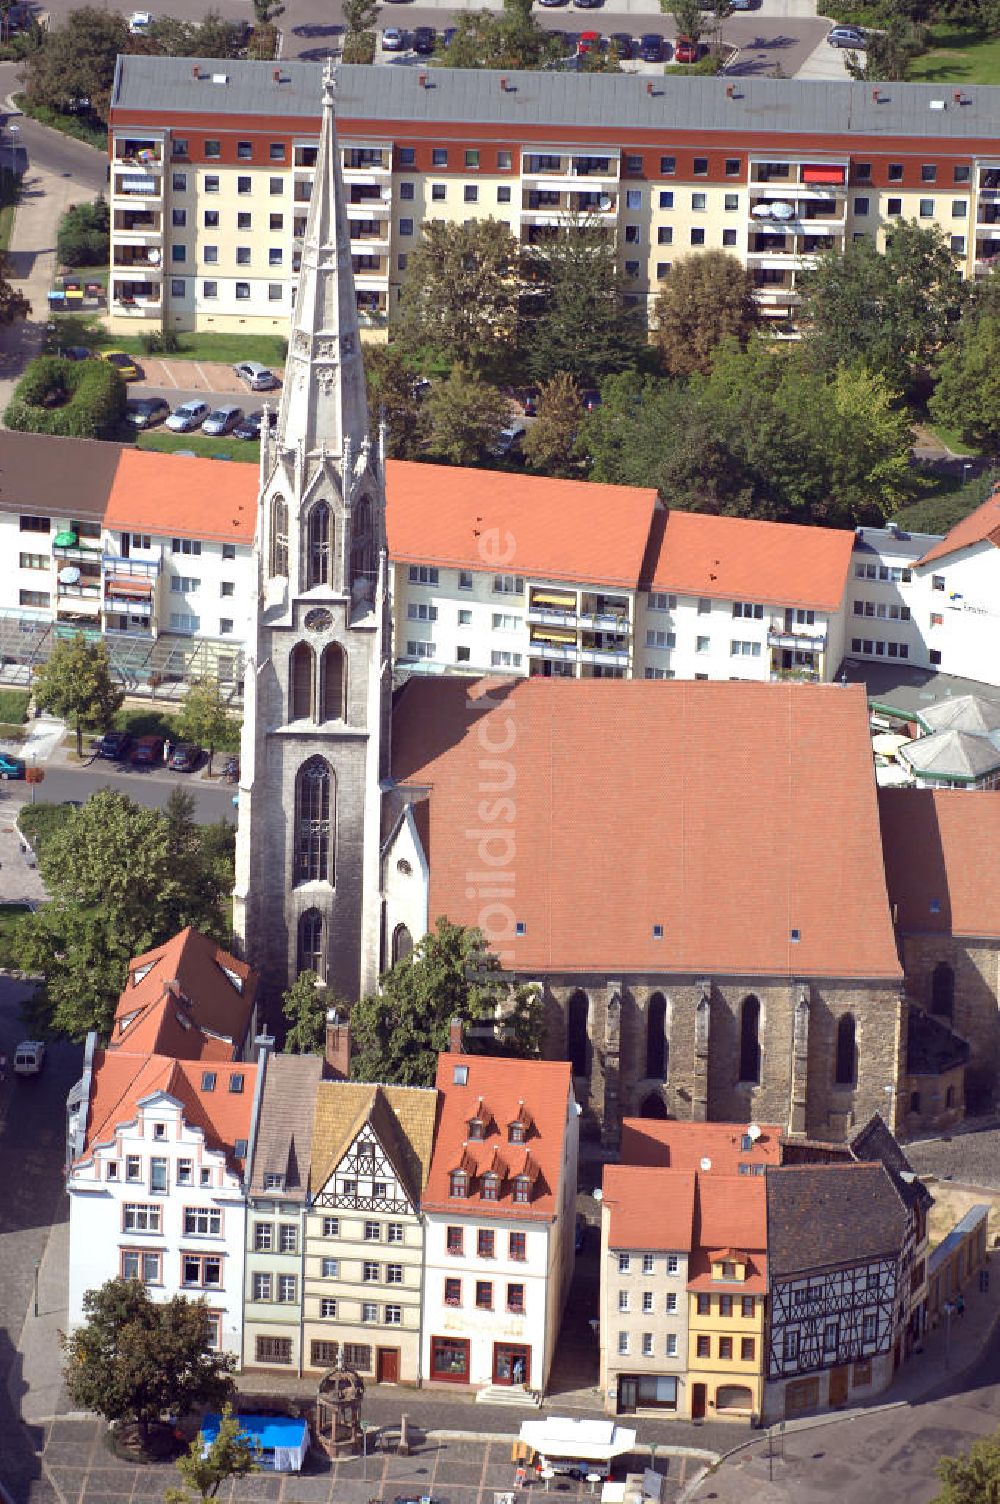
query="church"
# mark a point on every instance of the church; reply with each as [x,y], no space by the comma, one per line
[691,872]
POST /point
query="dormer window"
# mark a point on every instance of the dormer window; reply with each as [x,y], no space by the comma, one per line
[491,1187]
[208,1080]
[746,1143]
[477,1128]
[522,1189]
[366,1153]
[236,1083]
[515,1132]
[159,1130]
[459,1183]
[274,1182]
[235,978]
[729,1271]
[141,972]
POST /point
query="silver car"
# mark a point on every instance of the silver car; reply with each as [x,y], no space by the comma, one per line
[188,416]
[257,377]
[222,420]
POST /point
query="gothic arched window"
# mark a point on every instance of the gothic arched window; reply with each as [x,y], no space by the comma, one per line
[577,1036]
[943,990]
[318,530]
[301,681]
[847,1054]
[656,1037]
[279,537]
[333,684]
[749,1041]
[315,822]
[362,543]
[310,957]
[402,943]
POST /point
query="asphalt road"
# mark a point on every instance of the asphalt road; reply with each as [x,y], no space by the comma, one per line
[47,148]
[212,800]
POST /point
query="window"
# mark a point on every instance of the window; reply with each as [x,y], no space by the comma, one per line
[179,182]
[624,1263]
[34,561]
[748,1348]
[370,1271]
[743,649]
[704,1305]
[926,208]
[422,574]
[704,1347]
[647,1344]
[394,1274]
[393,1316]
[458,1183]
[623,1300]
[747,1305]
[202,1221]
[358,1355]
[702,644]
[895,172]
[516,1247]
[665,235]
[515,1299]
[407,156]
[139,1218]
[394,1232]
[672,1303]
[331,1227]
[273,1350]
[697,236]
[328,1306]
[315,820]
[846,1062]
[242,292]
[138,1264]
[726,1348]
[185,1172]
[672,1263]
[671,1344]
[35,524]
[213,149]
[455,1240]
[701,167]
[157,1174]
[470,193]
[505,584]
[633,163]
[211,183]
[928,173]
[287,1288]
[439,193]
[957,243]
[647,1302]
[632,235]
[263,1237]
[698,202]
[183,584]
[236,1083]
[288,1237]
[205,1176]
[330,1268]
[484,1295]
[439,156]
[210,289]
[623,1342]
[453,1292]
[749,1042]
[262,1286]
[275,186]
[204,1269]
[869,1327]
[668,166]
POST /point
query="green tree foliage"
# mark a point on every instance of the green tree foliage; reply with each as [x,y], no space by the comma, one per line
[393,399]
[204,716]
[574,316]
[305,1005]
[231,1455]
[889,52]
[210,37]
[13,304]
[75,682]
[79,399]
[687,18]
[967,396]
[467,417]
[550,443]
[973,1477]
[135,1359]
[762,435]
[703,300]
[359,15]
[266,12]
[77,61]
[84,235]
[399,1031]
[892,311]
[461,293]
[511,38]
[122,879]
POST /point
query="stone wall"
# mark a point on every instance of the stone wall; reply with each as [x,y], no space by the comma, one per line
[976,964]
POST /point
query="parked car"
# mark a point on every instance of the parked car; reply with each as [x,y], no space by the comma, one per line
[250,427]
[185,757]
[589,41]
[651,47]
[29,1057]
[591,398]
[743,4]
[126,367]
[222,420]
[392,39]
[114,745]
[11,767]
[257,377]
[139,23]
[148,749]
[510,437]
[587,4]
[846,36]
[145,412]
[624,45]
[188,416]
[424,38]
[77,352]
[551,3]
[685,51]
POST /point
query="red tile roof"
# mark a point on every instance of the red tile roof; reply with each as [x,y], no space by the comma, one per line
[189,999]
[730,1211]
[522,524]
[942,859]
[732,814]
[167,494]
[122,1079]
[683,1146]
[650,1209]
[737,558]
[506,1086]
[981,526]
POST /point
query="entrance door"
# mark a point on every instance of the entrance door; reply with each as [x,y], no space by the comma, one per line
[511,1363]
[387,1370]
[628,1395]
[838,1386]
[697,1401]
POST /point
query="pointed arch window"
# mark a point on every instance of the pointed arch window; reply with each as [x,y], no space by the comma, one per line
[319,528]
[943,990]
[402,943]
[301,681]
[749,1039]
[577,1036]
[279,537]
[362,543]
[311,942]
[315,822]
[847,1053]
[656,1037]
[333,684]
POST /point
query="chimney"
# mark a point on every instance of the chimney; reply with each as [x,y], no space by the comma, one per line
[503,84]
[196,71]
[338,1047]
[455,1040]
[422,80]
[730,91]
[650,87]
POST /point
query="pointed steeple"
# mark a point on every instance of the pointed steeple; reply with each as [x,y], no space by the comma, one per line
[323,406]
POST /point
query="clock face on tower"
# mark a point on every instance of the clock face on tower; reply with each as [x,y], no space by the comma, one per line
[319,619]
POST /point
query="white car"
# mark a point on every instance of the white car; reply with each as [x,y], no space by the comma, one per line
[847,36]
[29,1057]
[139,22]
[188,416]
[392,39]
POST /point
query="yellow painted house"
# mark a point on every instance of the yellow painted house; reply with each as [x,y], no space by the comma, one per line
[727,1298]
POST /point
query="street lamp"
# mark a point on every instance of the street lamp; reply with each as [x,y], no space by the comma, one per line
[948,1309]
[38,1265]
[966,472]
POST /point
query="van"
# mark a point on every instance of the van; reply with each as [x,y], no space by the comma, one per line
[29,1057]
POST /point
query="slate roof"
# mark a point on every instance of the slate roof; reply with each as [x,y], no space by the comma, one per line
[283,1144]
[819,1216]
[978,714]
[65,477]
[876,1141]
[931,1047]
[401,1117]
[942,860]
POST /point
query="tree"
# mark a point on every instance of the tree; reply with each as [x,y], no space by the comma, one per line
[77,61]
[212,37]
[510,39]
[703,300]
[973,1477]
[84,235]
[967,396]
[305,1005]
[230,1455]
[461,293]
[467,417]
[266,12]
[888,53]
[13,305]
[550,444]
[135,1359]
[687,18]
[122,879]
[393,399]
[891,310]
[75,681]
[204,717]
[574,318]
[399,1031]
[359,15]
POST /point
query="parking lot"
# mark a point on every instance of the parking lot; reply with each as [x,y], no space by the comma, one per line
[194,376]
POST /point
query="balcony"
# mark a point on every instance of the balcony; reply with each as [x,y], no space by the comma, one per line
[607,657]
[138,185]
[146,156]
[117,566]
[563,652]
[135,258]
[548,616]
[796,638]
[606,621]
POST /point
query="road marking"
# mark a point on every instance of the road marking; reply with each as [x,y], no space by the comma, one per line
[169,375]
[201,372]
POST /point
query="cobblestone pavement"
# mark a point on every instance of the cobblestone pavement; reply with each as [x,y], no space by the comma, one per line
[971,1158]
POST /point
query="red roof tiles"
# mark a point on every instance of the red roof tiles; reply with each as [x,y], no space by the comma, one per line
[167,494]
[942,859]
[684,1146]
[739,817]
[650,1209]
[188,998]
[123,1079]
[981,526]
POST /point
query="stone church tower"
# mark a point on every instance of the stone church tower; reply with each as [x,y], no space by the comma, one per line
[318,683]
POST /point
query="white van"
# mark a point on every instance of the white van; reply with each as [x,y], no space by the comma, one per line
[29,1057]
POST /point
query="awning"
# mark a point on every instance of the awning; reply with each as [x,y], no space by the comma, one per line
[824,174]
[133,184]
[129,587]
[552,634]
[548,598]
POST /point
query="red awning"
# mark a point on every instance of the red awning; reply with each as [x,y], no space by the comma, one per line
[129,587]
[823,174]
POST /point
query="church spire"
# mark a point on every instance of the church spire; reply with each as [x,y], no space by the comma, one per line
[324,406]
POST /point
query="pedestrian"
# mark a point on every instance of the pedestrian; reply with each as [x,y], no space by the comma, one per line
[167,749]
[960,1306]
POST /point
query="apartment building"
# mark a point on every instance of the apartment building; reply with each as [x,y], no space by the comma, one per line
[212,163]
[727,1295]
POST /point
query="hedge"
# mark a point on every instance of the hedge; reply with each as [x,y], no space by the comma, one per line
[14,705]
[94,405]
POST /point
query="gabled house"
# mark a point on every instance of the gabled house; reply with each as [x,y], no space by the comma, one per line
[190,999]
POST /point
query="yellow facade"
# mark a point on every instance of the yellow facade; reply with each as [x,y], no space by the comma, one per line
[725,1346]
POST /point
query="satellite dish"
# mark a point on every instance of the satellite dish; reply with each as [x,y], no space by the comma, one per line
[753,1132]
[598,1195]
[706,1164]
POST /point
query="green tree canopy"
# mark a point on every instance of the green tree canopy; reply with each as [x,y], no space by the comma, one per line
[393,398]
[687,18]
[135,1359]
[305,1004]
[204,716]
[462,289]
[550,444]
[84,235]
[973,1477]
[13,304]
[399,1031]
[967,395]
[888,52]
[574,314]
[704,299]
[75,682]
[511,38]
[230,1455]
[77,61]
[467,417]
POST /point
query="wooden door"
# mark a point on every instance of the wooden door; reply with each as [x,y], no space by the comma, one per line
[697,1401]
[628,1395]
[838,1386]
[388,1365]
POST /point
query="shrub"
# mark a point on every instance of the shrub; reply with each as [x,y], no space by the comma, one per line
[359,47]
[14,705]
[159,342]
[78,399]
[84,237]
[80,126]
[39,821]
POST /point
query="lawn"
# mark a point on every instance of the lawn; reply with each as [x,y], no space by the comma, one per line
[213,449]
[227,349]
[951,438]
[10,192]
[958,55]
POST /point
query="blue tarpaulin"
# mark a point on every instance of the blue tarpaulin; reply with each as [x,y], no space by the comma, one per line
[283,1440]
